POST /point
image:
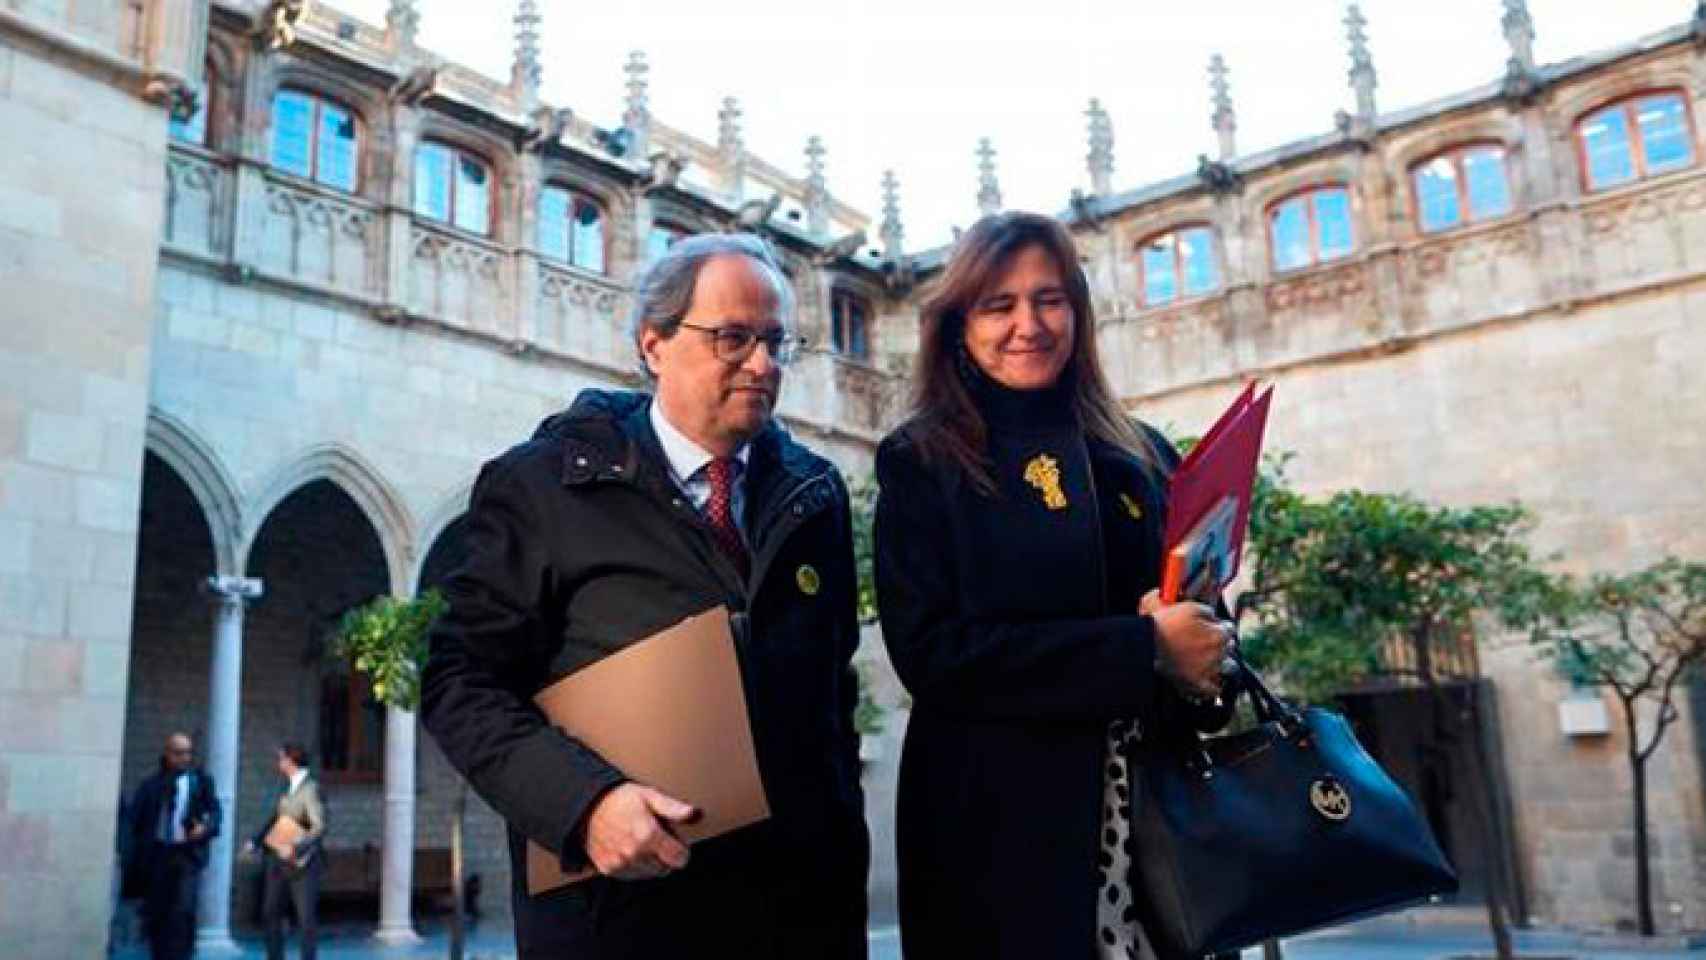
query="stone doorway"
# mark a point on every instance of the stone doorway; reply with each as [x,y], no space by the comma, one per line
[1421,744]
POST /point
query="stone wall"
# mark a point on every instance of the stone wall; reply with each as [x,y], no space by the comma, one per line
[1590,418]
[80,187]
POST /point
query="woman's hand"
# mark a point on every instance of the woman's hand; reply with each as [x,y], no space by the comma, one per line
[1190,642]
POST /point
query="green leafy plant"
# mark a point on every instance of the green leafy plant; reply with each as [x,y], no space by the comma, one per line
[1358,586]
[386,639]
[868,714]
[863,492]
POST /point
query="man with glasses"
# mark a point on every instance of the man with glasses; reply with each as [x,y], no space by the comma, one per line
[173,816]
[624,515]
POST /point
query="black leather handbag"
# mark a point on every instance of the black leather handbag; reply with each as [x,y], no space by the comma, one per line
[1267,833]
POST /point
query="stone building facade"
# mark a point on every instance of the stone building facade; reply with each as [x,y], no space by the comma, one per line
[254,352]
[1499,297]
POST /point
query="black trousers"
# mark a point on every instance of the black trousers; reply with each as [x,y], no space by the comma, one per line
[302,888]
[168,907]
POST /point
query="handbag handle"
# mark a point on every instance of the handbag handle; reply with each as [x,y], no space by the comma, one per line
[1269,707]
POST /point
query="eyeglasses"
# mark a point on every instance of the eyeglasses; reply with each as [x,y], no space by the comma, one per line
[734,343]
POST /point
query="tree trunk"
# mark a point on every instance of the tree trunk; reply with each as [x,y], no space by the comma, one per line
[1271,950]
[1643,862]
[1498,898]
[458,935]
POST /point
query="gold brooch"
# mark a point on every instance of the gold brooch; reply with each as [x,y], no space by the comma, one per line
[1131,506]
[1043,472]
[807,579]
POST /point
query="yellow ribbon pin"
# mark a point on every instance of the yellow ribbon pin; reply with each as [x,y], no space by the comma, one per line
[808,580]
[1131,506]
[1043,472]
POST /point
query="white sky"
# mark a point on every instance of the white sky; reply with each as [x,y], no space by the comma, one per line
[913,84]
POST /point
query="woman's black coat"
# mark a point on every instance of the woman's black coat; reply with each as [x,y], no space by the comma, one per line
[1015,629]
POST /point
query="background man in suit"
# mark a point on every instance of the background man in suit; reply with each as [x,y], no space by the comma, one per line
[296,876]
[174,815]
[625,515]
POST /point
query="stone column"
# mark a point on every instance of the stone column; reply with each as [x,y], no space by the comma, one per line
[397,871]
[224,720]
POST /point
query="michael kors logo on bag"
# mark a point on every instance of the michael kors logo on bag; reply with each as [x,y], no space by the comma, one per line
[1043,472]
[1330,800]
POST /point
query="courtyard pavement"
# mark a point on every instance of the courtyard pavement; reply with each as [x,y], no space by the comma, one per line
[1377,940]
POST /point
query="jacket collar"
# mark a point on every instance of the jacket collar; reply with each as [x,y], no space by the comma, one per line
[607,436]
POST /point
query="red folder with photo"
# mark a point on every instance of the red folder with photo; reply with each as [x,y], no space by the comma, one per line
[1208,502]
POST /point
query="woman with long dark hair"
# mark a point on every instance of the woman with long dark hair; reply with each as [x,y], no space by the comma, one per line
[1017,550]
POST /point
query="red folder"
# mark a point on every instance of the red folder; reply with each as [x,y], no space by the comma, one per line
[1220,467]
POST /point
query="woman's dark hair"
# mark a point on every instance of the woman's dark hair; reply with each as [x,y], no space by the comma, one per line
[945,422]
[295,752]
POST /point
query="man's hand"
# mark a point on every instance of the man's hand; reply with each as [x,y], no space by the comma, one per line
[196,832]
[1190,641]
[630,833]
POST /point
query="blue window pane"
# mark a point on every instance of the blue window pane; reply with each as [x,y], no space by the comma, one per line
[336,148]
[856,330]
[1605,138]
[194,129]
[1436,195]
[589,236]
[1664,133]
[292,132]
[1290,234]
[1333,220]
[659,241]
[473,196]
[432,181]
[1160,280]
[1489,187]
[1196,253]
[554,223]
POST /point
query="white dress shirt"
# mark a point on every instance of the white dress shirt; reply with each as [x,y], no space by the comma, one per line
[296,779]
[172,831]
[687,462]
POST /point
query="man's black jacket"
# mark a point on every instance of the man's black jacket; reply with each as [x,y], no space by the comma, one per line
[145,810]
[579,544]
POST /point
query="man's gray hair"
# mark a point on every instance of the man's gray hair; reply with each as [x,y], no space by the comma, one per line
[664,288]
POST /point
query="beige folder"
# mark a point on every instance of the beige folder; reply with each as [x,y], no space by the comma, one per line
[281,839]
[670,712]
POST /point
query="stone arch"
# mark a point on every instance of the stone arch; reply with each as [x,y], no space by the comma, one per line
[438,522]
[1328,171]
[1426,142]
[1570,104]
[196,463]
[378,500]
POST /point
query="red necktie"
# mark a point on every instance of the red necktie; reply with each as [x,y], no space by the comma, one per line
[719,510]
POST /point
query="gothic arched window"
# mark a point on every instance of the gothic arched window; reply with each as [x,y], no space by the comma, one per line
[315,138]
[453,186]
[1635,138]
[1465,184]
[1311,227]
[1177,265]
[571,228]
[849,324]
